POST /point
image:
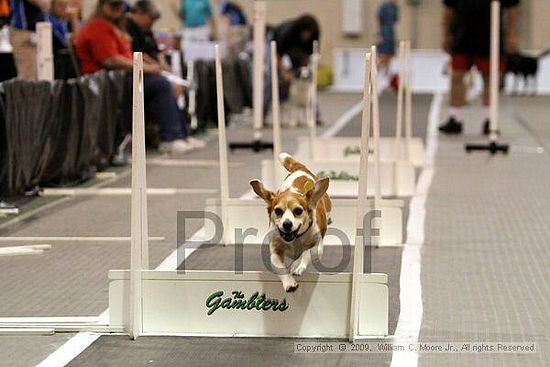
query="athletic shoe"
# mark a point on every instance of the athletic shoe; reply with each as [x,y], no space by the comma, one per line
[178,146]
[452,126]
[8,208]
[196,143]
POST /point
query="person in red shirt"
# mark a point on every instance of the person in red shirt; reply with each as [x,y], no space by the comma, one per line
[102,43]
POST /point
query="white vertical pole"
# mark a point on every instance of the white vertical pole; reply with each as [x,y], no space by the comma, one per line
[495,65]
[222,142]
[139,231]
[259,56]
[313,99]
[358,251]
[275,112]
[399,117]
[408,99]
[44,51]
[375,128]
[175,62]
[192,94]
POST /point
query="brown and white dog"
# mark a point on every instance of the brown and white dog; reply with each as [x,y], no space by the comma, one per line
[299,214]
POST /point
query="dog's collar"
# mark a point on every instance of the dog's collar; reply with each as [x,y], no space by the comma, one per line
[304,232]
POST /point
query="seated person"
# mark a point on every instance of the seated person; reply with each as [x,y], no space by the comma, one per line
[139,23]
[59,19]
[102,43]
[61,30]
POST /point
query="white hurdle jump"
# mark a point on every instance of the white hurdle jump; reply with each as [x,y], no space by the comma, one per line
[391,148]
[379,185]
[242,214]
[222,303]
[397,178]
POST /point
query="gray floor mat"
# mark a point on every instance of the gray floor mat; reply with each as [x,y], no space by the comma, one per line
[27,351]
[485,262]
[208,352]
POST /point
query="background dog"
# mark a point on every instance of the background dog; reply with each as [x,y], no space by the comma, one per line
[298,214]
[524,67]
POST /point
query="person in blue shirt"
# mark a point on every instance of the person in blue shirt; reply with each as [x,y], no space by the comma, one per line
[388,15]
[58,17]
[198,19]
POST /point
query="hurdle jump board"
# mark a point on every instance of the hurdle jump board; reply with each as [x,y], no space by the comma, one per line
[348,148]
[396,178]
[179,304]
[244,214]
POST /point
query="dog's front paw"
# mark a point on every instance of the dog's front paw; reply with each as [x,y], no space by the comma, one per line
[299,270]
[291,285]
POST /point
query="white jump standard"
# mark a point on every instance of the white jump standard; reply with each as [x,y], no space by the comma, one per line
[401,148]
[222,303]
[397,175]
[243,214]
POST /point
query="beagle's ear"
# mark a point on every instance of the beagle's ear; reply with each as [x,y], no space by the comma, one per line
[319,189]
[261,191]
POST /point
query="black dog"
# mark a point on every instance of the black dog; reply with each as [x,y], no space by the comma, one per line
[526,67]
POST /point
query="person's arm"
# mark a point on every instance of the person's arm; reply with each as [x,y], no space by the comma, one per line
[105,51]
[149,60]
[511,32]
[448,14]
[161,62]
[119,62]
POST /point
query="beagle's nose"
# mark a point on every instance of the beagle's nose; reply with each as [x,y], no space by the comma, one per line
[287,225]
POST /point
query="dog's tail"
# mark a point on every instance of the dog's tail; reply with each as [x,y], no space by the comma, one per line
[292,165]
[544,53]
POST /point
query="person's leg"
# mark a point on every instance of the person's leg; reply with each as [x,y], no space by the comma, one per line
[384,63]
[458,93]
[484,67]
[161,104]
[486,102]
[460,65]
